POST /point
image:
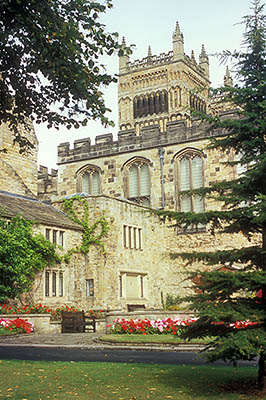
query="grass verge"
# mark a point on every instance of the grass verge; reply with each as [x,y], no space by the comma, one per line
[160,339]
[33,380]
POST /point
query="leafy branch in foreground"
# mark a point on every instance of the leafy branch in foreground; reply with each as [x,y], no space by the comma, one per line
[50,66]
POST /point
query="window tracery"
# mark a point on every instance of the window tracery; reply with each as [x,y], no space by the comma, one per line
[88,180]
[137,181]
[189,176]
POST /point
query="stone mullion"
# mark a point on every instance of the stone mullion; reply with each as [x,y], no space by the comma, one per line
[178,188]
[180,97]
[152,104]
[191,183]
[139,183]
[157,106]
[90,182]
[166,102]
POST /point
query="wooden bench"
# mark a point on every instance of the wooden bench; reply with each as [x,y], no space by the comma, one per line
[77,322]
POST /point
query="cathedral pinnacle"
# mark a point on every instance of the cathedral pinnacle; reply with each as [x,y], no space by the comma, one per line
[177,30]
[204,61]
[123,42]
[193,57]
[123,57]
[228,80]
[203,51]
[178,43]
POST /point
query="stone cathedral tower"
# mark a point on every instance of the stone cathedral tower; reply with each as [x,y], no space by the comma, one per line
[163,88]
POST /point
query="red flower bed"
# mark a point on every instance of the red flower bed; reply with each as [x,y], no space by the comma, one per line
[17,325]
[171,326]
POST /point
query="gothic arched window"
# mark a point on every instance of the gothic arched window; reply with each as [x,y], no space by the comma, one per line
[190,176]
[88,181]
[137,182]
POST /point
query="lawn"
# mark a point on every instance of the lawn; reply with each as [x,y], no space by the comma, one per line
[137,338]
[34,380]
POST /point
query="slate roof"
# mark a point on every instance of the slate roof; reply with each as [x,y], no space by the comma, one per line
[34,210]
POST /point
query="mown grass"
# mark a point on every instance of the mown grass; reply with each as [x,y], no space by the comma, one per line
[137,338]
[34,380]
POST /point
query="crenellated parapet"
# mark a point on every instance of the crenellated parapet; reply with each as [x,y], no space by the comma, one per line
[160,60]
[150,60]
[129,141]
[47,183]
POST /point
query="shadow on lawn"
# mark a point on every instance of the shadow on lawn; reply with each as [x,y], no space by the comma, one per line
[213,382]
[248,387]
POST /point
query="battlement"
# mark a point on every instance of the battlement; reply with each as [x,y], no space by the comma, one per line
[163,58]
[47,183]
[44,173]
[129,141]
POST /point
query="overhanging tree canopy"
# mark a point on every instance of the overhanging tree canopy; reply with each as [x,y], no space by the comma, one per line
[49,62]
[226,297]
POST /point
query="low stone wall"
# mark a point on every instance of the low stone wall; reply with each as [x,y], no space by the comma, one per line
[41,322]
[143,314]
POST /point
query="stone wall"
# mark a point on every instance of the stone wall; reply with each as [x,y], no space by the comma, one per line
[70,293]
[111,158]
[18,172]
[129,275]
[47,183]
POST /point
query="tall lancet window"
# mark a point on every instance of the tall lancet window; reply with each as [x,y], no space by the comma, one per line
[137,178]
[190,176]
[88,181]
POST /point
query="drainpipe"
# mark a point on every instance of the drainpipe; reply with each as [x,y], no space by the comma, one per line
[161,152]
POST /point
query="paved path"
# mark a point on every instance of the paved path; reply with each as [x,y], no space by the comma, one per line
[82,347]
[78,340]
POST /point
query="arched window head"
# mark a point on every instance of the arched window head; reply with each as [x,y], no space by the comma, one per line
[88,181]
[189,176]
[137,182]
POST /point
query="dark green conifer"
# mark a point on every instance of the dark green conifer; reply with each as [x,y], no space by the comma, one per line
[228,295]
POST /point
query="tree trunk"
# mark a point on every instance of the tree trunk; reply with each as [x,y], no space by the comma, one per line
[262,372]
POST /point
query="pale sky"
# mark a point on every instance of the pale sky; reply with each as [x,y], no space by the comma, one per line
[213,23]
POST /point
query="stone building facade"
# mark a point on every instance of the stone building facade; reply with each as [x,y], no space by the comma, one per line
[160,152]
[162,88]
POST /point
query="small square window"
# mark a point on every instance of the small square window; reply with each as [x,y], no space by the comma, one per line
[89,287]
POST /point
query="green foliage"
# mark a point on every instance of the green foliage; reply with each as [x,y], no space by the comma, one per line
[22,255]
[92,234]
[173,302]
[224,297]
[50,63]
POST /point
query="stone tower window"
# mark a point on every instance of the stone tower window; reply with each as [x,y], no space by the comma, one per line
[189,176]
[138,182]
[88,180]
[149,104]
